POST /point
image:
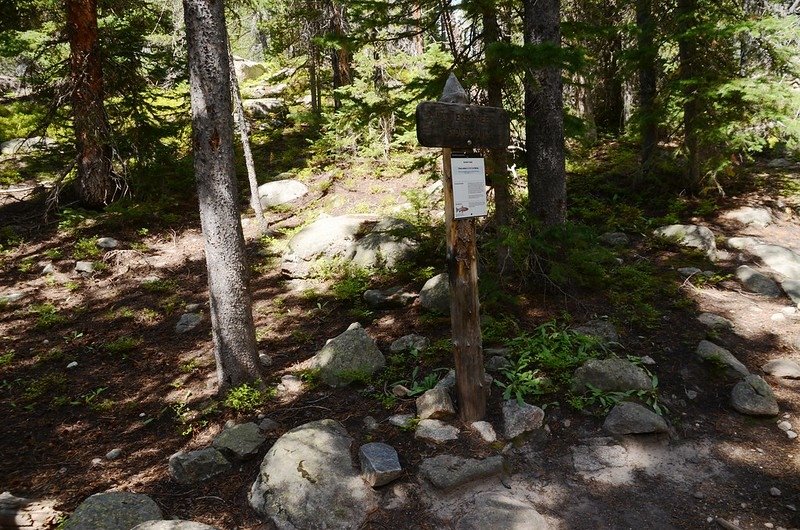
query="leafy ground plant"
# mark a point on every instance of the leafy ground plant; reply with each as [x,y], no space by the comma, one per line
[246,398]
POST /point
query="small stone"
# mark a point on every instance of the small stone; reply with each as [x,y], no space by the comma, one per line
[691,394]
[289,385]
[785,426]
[188,322]
[435,431]
[649,361]
[265,359]
[485,429]
[778,318]
[447,472]
[400,420]
[97,462]
[632,418]
[112,510]
[600,329]
[400,391]
[114,454]
[107,242]
[268,425]
[754,397]
[615,239]
[72,365]
[192,308]
[775,492]
[710,352]
[84,267]
[410,343]
[520,418]
[782,367]
[11,297]
[379,463]
[370,423]
[497,363]
[197,466]
[699,495]
[769,525]
[687,272]
[48,269]
[435,404]
[715,321]
[791,434]
[240,441]
[228,424]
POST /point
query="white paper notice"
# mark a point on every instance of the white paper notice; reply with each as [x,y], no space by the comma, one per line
[469,187]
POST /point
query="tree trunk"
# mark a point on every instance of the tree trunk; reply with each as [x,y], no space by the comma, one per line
[95,186]
[212,139]
[497,166]
[544,119]
[648,54]
[687,55]
[340,55]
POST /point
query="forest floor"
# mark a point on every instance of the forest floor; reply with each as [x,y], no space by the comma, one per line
[141,387]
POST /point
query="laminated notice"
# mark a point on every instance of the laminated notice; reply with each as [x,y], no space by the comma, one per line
[469,187]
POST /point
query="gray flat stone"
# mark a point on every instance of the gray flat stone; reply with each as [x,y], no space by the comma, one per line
[754,397]
[749,216]
[710,352]
[632,418]
[447,472]
[386,245]
[379,463]
[400,420]
[188,322]
[686,272]
[757,282]
[281,192]
[107,242]
[610,375]
[435,431]
[783,367]
[692,236]
[792,289]
[485,429]
[501,511]
[240,441]
[782,260]
[84,267]
[410,342]
[113,510]
[519,418]
[197,466]
[600,329]
[715,321]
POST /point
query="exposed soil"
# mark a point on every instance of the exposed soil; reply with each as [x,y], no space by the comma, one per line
[145,394]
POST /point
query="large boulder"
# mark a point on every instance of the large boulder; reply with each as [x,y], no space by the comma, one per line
[307,480]
[281,192]
[783,368]
[247,70]
[272,109]
[349,356]
[758,283]
[782,260]
[328,237]
[387,244]
[754,397]
[632,418]
[520,418]
[24,145]
[750,216]
[113,510]
[692,236]
[610,375]
[792,289]
[435,294]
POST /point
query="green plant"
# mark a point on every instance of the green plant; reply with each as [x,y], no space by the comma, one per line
[50,383]
[54,253]
[26,265]
[245,398]
[122,345]
[158,285]
[72,286]
[47,315]
[189,366]
[85,248]
[7,357]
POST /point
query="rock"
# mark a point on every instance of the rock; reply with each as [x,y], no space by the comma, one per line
[435,431]
[448,382]
[400,420]
[84,267]
[602,330]
[485,429]
[107,242]
[348,356]
[632,418]
[268,425]
[496,363]
[370,423]
[114,454]
[521,418]
[400,391]
[281,192]
[791,435]
[775,492]
[9,298]
[188,322]
[73,364]
[113,510]
[24,145]
[754,397]
[792,289]
[265,108]
[447,472]
[265,359]
[435,404]
[240,441]
[610,375]
[409,343]
[197,466]
[710,352]
[247,70]
[778,163]
[785,426]
[741,243]
[783,367]
[262,91]
[329,237]
[289,385]
[687,272]
[435,294]
[756,282]
[19,513]
[692,236]
[379,464]
[649,361]
[387,244]
[49,268]
[715,321]
[307,480]
[173,525]
[193,308]
[780,259]
[495,510]
[749,216]
[388,299]
[615,239]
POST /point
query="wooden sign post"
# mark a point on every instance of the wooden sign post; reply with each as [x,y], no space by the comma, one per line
[453,124]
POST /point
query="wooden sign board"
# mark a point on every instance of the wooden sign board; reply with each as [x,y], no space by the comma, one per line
[462,126]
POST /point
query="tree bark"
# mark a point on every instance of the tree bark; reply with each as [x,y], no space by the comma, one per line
[688,56]
[544,118]
[341,57]
[95,186]
[648,54]
[232,325]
